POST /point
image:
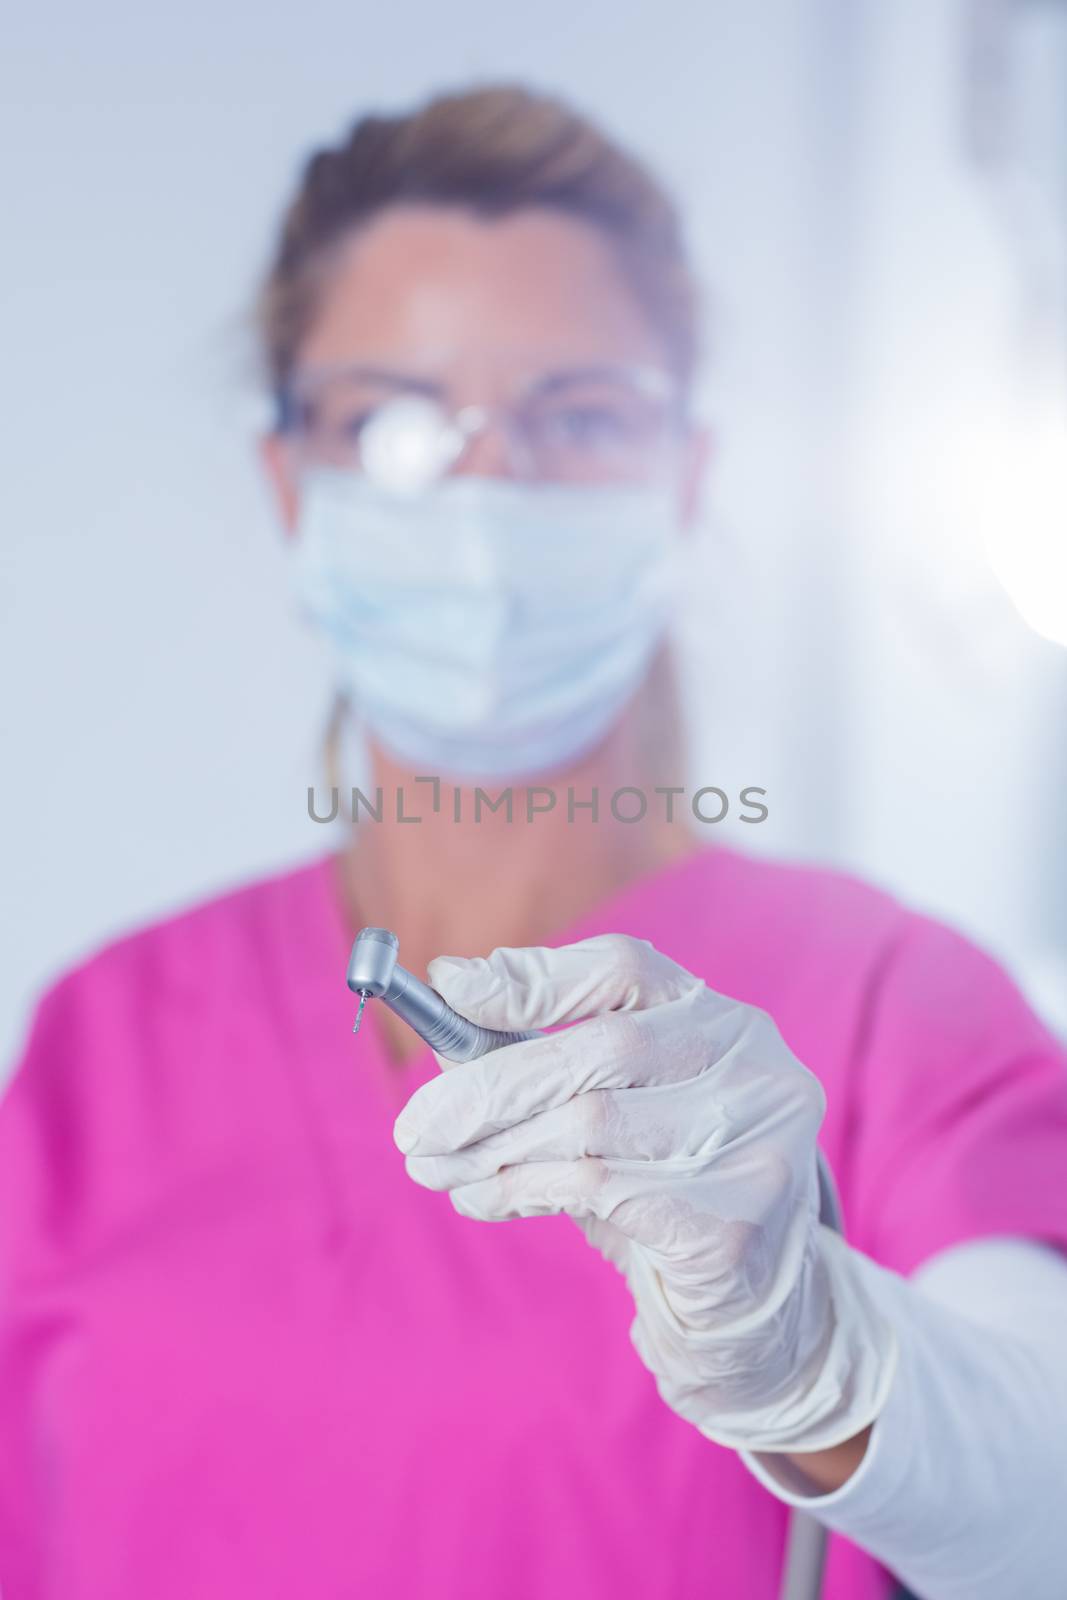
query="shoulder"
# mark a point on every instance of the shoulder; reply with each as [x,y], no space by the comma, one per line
[155,1058]
[795,893]
[850,968]
[220,943]
[779,933]
[948,1107]
[817,914]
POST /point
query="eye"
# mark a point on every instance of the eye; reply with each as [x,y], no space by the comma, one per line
[586,426]
[322,420]
[351,425]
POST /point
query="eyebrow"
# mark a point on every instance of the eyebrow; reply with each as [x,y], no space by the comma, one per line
[387,377]
[395,378]
[604,371]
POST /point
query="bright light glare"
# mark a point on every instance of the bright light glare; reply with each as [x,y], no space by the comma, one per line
[1026,541]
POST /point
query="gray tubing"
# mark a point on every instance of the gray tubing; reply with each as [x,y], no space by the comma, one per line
[806,1540]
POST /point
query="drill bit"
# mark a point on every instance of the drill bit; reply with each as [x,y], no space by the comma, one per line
[359,1013]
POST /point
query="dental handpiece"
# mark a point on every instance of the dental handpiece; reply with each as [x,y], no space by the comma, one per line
[375,974]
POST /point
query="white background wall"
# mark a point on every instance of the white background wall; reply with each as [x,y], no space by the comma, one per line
[874,362]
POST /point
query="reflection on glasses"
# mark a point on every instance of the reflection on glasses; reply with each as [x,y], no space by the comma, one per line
[580,425]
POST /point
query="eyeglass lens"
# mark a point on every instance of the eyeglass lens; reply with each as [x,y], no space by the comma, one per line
[568,427]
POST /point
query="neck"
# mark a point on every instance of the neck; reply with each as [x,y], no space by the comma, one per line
[464,879]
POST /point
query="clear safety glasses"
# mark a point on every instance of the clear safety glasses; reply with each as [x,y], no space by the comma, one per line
[602,424]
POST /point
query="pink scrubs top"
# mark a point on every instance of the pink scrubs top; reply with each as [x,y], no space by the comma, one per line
[243,1355]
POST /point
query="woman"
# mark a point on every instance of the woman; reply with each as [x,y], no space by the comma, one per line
[250,1349]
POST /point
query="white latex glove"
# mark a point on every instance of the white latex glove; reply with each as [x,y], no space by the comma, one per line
[679,1131]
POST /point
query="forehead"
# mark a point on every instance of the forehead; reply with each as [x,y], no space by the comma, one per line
[445,293]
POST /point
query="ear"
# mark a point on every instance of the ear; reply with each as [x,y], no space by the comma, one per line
[696,461]
[277,465]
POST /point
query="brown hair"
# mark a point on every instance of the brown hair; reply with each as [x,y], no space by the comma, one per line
[492,150]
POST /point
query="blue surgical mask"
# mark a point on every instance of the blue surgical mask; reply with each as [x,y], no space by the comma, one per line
[487,630]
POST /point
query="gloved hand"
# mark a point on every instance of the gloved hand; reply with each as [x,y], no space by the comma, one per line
[678,1130]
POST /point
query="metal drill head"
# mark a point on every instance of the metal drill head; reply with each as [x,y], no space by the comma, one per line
[370,966]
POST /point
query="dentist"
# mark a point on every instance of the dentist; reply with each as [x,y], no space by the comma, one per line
[248,1347]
